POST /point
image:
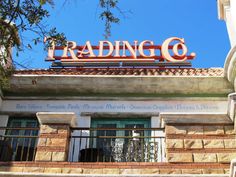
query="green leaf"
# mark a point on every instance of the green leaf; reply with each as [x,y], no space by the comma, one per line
[42,2]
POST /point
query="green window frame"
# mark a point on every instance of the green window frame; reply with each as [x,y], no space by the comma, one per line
[121,122]
[120,140]
[22,122]
[23,148]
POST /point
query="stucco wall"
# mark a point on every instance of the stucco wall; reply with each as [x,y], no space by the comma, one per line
[80,85]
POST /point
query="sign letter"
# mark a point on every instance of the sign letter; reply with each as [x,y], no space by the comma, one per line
[141,45]
[132,51]
[89,52]
[101,48]
[179,57]
[51,48]
[71,45]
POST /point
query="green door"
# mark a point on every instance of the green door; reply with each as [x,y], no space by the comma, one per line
[123,144]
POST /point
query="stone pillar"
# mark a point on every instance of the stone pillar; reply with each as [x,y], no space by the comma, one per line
[53,144]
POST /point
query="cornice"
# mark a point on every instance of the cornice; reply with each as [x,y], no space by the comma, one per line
[222,5]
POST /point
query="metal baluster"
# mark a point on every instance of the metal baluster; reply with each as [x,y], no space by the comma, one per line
[80,142]
[97,145]
[86,152]
[161,153]
[110,149]
[142,149]
[29,145]
[136,143]
[17,146]
[22,149]
[91,140]
[129,149]
[148,152]
[73,149]
[98,153]
[34,151]
[155,158]
[1,149]
[104,144]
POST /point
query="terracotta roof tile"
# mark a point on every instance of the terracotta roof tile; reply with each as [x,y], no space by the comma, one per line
[126,71]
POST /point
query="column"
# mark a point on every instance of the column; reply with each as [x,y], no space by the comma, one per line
[53,144]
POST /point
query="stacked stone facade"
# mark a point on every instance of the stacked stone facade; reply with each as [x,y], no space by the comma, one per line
[200,143]
[190,149]
[114,168]
[53,144]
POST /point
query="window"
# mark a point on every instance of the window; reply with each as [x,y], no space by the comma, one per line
[123,140]
[22,138]
[118,140]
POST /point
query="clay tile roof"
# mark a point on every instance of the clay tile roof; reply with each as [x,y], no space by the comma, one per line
[125,71]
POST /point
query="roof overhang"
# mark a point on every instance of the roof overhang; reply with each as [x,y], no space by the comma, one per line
[89,85]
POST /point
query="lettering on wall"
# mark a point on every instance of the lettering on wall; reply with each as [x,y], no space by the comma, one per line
[115,106]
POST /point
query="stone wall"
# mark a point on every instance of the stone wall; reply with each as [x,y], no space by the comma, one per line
[114,168]
[53,144]
[200,143]
[191,149]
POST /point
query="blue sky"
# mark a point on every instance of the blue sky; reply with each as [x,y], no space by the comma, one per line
[156,20]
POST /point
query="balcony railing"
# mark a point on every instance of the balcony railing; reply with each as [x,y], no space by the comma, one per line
[18,144]
[117,145]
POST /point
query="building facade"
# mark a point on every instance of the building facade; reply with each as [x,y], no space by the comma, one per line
[121,121]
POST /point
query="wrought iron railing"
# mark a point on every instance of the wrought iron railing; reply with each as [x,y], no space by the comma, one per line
[18,144]
[117,145]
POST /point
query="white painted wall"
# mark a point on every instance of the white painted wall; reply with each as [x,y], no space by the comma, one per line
[1,100]
[233,15]
[227,12]
[79,106]
[149,106]
[3,123]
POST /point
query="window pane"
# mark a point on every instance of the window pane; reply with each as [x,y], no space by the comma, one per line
[23,148]
[121,145]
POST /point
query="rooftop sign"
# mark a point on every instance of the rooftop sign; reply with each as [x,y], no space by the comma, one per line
[172,53]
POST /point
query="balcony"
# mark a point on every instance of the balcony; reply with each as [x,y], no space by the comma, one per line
[18,144]
[91,151]
[117,145]
[89,144]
